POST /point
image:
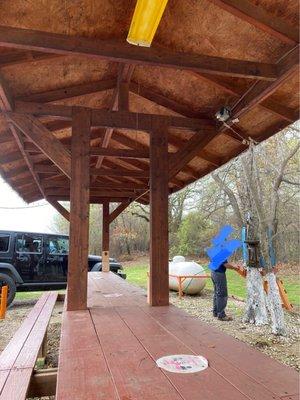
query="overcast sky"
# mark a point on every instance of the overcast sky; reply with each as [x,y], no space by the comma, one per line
[37,219]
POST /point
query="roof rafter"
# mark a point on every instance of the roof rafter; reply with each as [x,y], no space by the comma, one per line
[261,19]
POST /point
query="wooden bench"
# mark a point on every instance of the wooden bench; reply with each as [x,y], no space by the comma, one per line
[18,359]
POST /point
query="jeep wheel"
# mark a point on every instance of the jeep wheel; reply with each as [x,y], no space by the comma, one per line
[7,280]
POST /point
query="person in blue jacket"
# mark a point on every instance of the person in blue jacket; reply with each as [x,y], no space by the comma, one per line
[220,298]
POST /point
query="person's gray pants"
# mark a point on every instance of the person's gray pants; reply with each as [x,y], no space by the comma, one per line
[220,293]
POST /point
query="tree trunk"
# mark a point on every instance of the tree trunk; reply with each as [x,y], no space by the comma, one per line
[274,305]
[256,310]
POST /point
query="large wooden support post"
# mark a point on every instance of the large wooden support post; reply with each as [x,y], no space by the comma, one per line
[105,237]
[158,294]
[79,210]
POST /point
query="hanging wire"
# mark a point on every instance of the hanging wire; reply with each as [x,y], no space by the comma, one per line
[23,208]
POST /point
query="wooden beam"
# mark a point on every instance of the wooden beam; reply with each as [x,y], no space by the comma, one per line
[21,57]
[43,383]
[93,193]
[52,169]
[268,104]
[19,140]
[105,237]
[6,137]
[69,92]
[261,19]
[117,211]
[124,75]
[98,151]
[116,119]
[10,157]
[170,104]
[158,294]
[93,200]
[6,98]
[64,183]
[123,52]
[59,208]
[44,140]
[119,153]
[260,91]
[188,152]
[79,210]
[119,172]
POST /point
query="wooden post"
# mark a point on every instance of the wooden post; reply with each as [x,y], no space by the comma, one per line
[105,237]
[159,246]
[79,210]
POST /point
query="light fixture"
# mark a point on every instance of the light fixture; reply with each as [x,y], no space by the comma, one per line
[145,20]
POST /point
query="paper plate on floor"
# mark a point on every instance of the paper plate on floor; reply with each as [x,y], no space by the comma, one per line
[182,363]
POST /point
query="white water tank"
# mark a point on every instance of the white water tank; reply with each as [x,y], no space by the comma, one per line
[178,266]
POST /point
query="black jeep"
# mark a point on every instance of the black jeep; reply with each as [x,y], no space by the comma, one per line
[39,261]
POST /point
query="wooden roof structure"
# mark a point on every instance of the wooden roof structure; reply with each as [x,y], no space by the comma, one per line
[206,54]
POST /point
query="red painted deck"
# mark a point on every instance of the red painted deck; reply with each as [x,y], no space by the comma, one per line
[109,351]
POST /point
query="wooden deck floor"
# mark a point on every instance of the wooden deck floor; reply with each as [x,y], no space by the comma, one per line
[109,351]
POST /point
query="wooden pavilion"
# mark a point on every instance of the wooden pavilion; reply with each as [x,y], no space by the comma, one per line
[89,118]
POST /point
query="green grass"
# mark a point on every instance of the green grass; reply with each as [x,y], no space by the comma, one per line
[236,284]
[31,295]
[28,295]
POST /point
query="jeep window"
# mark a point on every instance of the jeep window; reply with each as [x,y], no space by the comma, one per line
[4,243]
[29,243]
[57,245]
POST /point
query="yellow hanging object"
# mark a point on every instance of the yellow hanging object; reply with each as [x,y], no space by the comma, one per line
[146,18]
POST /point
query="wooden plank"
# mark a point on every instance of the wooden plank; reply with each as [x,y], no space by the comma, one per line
[43,383]
[159,342]
[12,350]
[232,373]
[79,210]
[272,375]
[29,352]
[119,153]
[116,119]
[69,92]
[159,244]
[261,19]
[134,371]
[16,384]
[82,370]
[105,237]
[44,140]
[117,51]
